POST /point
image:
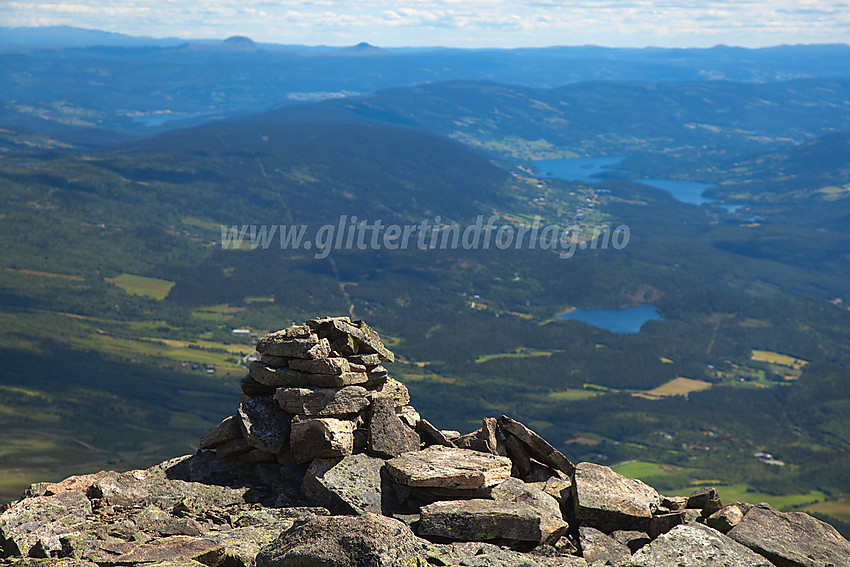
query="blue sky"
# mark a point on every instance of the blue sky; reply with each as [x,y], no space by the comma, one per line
[464,23]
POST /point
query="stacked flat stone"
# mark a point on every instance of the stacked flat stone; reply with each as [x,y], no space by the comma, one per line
[318,390]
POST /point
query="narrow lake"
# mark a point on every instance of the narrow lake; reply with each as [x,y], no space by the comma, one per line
[576,169]
[685,191]
[627,320]
[584,169]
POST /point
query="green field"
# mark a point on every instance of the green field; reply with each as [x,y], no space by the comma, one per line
[676,387]
[142,285]
[779,358]
[743,493]
[518,353]
[574,395]
[839,509]
[813,500]
[640,469]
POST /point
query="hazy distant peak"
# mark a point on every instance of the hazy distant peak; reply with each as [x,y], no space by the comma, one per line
[363,48]
[239,42]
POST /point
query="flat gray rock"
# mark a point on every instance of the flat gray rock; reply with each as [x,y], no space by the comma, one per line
[607,500]
[271,376]
[265,425]
[351,485]
[695,545]
[510,558]
[279,344]
[791,539]
[481,520]
[336,380]
[447,467]
[321,365]
[365,359]
[168,549]
[322,402]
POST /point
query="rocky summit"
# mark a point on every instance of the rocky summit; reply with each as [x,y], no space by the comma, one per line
[324,462]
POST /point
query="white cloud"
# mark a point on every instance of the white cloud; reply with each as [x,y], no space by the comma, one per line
[458,22]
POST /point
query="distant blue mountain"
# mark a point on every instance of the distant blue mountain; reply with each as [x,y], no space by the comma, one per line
[68,36]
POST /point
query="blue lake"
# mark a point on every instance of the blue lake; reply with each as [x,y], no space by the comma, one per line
[627,320]
[576,169]
[584,169]
[685,191]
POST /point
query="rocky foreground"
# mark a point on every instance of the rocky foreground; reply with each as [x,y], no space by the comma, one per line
[325,463]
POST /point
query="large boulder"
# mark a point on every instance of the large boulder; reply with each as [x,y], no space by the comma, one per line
[609,501]
[344,541]
[447,467]
[33,526]
[481,520]
[351,485]
[791,539]
[695,545]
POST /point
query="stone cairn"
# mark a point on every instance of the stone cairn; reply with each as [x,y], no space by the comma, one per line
[325,463]
[318,390]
